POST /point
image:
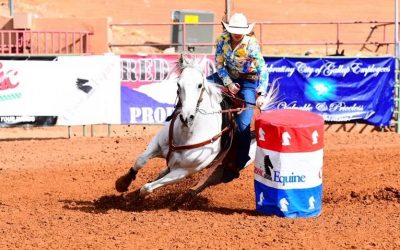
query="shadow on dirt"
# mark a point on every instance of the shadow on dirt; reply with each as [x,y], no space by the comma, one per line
[358,126]
[131,203]
[385,194]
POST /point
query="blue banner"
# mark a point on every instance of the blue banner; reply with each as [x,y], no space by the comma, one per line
[339,89]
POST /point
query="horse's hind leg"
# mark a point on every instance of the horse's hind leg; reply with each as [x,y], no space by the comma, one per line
[211,178]
[152,150]
[173,176]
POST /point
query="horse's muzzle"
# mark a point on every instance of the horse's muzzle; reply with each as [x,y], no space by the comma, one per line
[188,121]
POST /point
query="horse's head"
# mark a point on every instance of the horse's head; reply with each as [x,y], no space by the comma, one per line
[191,87]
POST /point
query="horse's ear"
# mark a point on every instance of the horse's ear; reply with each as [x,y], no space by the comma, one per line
[183,61]
[203,63]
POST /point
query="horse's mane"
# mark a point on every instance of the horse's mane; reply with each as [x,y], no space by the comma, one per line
[193,61]
[198,63]
[216,90]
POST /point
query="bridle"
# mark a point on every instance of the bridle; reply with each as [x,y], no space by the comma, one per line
[199,100]
[173,147]
[197,105]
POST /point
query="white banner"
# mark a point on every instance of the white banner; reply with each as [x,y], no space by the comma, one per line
[76,89]
[95,94]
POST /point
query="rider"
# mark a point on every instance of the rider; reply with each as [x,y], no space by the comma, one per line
[241,68]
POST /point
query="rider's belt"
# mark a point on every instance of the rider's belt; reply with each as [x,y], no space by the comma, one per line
[234,75]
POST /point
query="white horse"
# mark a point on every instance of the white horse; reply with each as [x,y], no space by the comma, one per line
[191,140]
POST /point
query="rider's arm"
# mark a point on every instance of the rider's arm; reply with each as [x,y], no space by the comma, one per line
[255,52]
[220,50]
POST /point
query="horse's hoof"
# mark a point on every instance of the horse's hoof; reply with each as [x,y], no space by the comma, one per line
[144,191]
[123,182]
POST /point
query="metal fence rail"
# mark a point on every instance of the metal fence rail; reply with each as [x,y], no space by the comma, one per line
[20,42]
[371,36]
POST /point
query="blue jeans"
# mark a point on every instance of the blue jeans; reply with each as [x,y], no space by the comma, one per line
[243,120]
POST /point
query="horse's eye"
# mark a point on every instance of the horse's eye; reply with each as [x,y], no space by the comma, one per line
[200,85]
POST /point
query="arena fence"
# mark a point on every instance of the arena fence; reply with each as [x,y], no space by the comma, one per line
[27,42]
[350,37]
[375,40]
[84,86]
[338,39]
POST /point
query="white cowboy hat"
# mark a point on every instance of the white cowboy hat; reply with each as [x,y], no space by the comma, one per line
[238,25]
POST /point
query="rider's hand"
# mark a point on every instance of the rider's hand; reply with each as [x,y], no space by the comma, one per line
[233,88]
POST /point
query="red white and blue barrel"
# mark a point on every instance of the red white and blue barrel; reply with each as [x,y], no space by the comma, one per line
[288,164]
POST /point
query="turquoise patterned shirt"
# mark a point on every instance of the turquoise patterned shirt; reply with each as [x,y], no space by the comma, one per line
[245,58]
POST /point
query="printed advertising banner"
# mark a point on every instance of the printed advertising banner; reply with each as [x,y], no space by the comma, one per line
[136,89]
[16,121]
[93,88]
[339,89]
[148,88]
[75,89]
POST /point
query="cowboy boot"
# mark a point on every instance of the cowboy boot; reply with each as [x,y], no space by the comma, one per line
[229,175]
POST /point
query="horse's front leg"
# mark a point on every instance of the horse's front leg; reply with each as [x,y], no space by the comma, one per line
[173,176]
[152,150]
[163,172]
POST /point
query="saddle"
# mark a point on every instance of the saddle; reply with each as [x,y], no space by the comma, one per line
[229,142]
[225,161]
[223,168]
[227,155]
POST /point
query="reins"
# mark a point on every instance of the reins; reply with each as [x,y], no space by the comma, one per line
[237,98]
[234,110]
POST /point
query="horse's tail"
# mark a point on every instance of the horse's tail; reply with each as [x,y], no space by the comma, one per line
[271,97]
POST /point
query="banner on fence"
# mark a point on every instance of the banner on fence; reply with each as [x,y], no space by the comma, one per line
[148,88]
[339,89]
[76,89]
[93,90]
[135,89]
[15,121]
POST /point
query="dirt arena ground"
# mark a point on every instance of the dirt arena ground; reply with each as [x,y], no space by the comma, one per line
[59,194]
